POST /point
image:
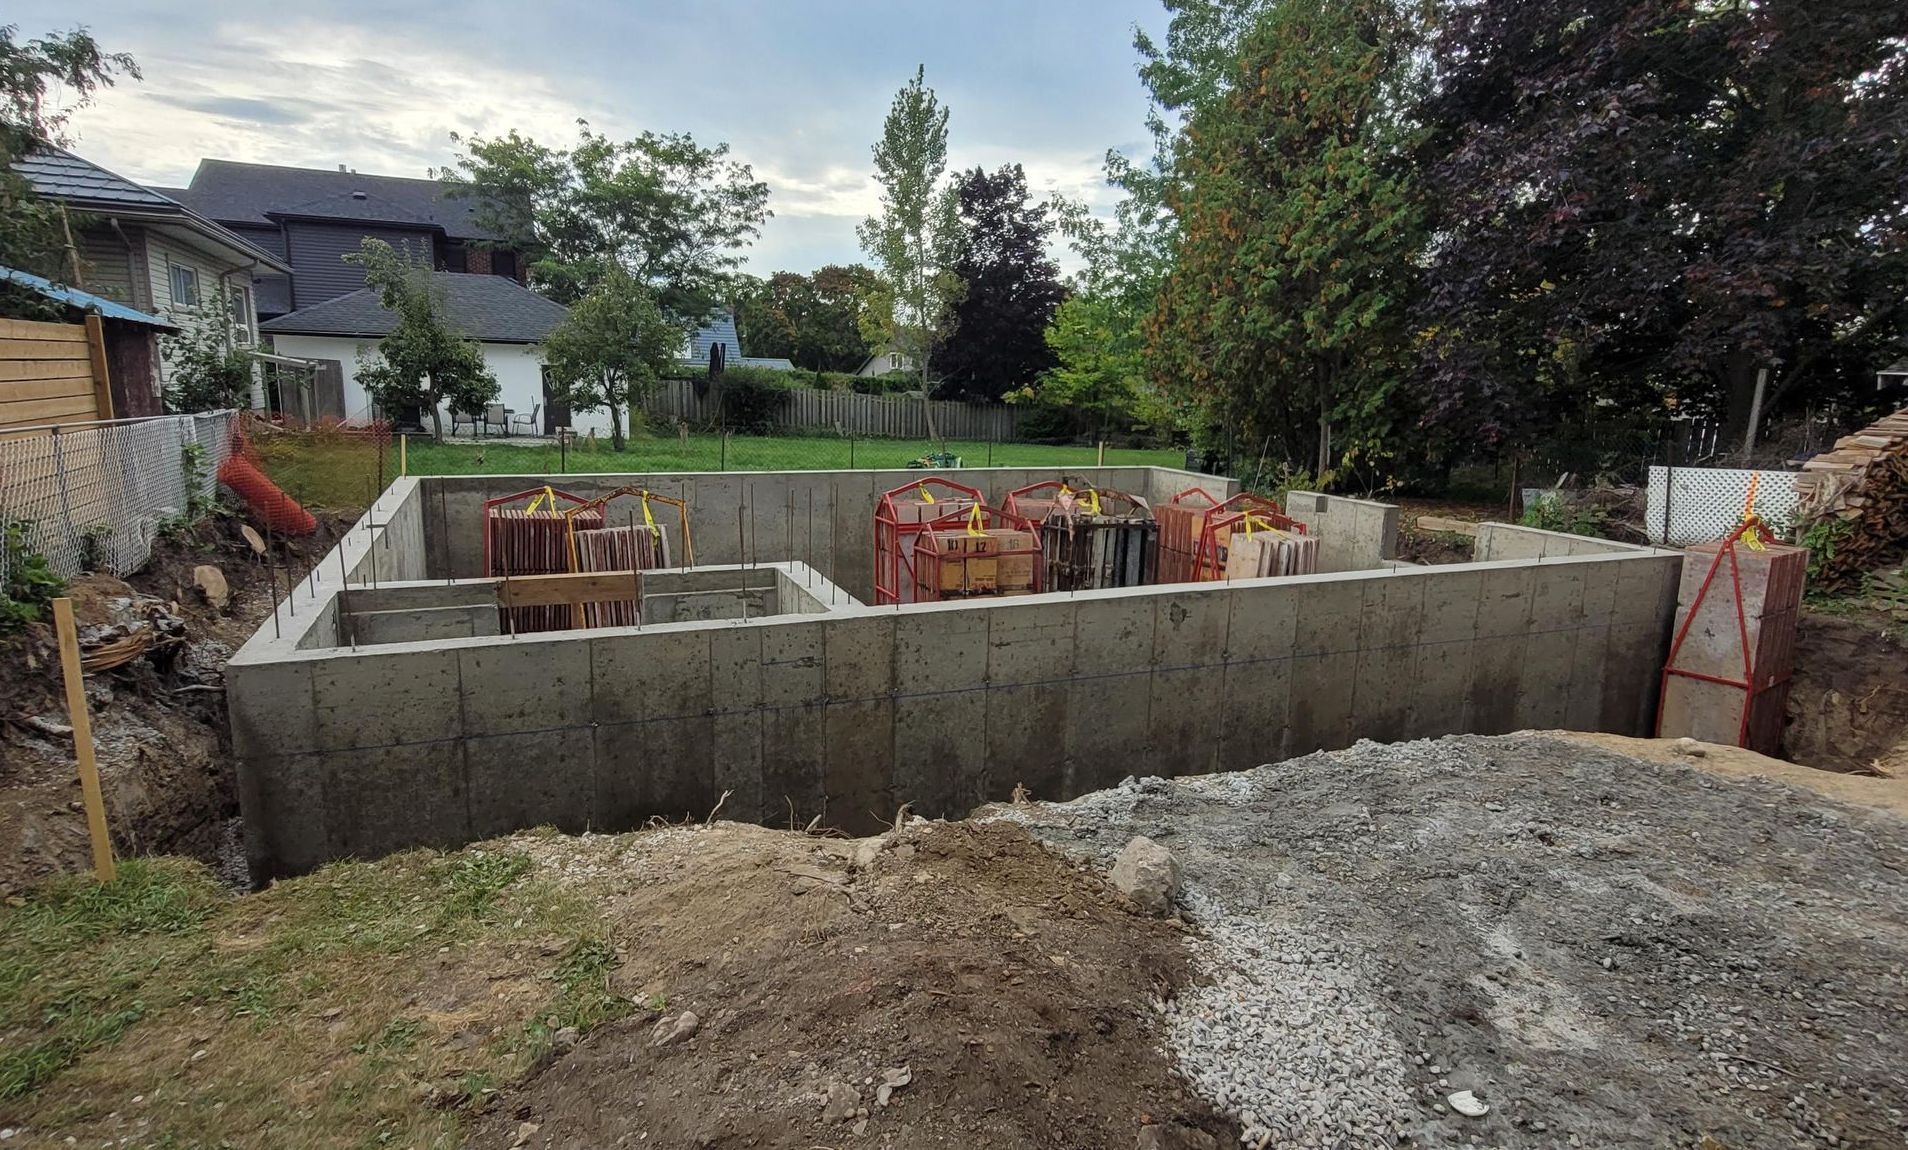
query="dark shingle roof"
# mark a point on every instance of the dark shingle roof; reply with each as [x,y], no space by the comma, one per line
[58,174]
[61,175]
[236,193]
[490,308]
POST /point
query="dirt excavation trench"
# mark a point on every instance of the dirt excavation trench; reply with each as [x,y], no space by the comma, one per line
[1603,949]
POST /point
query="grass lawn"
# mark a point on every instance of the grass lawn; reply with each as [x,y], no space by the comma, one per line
[339,472]
[160,1011]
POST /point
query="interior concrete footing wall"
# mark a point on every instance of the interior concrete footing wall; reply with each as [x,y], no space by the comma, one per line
[853,711]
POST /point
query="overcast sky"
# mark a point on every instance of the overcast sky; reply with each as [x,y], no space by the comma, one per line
[798,88]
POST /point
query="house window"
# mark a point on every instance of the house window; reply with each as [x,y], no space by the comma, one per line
[185,286]
[503,264]
[455,258]
[894,361]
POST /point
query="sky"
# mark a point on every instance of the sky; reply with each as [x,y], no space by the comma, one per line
[797,88]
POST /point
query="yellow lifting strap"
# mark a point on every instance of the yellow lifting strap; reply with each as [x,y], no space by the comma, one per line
[976,524]
[1752,538]
[926,495]
[649,520]
[1264,524]
[549,494]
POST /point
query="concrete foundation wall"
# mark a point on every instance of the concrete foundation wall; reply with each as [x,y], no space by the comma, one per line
[1508,541]
[822,518]
[851,713]
[1353,534]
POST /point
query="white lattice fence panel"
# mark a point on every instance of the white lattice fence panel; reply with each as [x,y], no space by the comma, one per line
[1701,504]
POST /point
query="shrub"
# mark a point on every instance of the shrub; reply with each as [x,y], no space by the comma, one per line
[31,583]
[753,396]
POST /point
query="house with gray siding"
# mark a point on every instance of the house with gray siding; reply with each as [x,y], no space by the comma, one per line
[311,218]
[146,250]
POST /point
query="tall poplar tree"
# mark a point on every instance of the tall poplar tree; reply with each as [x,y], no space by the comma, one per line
[916,239]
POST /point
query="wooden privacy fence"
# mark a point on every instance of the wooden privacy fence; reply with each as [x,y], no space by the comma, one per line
[52,373]
[848,413]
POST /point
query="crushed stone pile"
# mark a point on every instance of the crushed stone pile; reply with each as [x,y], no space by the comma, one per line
[1590,949]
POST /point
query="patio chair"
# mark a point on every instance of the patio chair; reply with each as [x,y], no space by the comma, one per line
[496,418]
[463,419]
[521,424]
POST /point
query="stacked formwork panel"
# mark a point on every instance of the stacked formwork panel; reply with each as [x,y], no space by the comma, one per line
[1182,528]
[901,516]
[1246,514]
[1727,677]
[1097,538]
[534,539]
[980,553]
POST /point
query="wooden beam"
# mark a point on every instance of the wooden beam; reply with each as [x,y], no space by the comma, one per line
[34,412]
[54,387]
[81,720]
[1450,526]
[102,381]
[569,589]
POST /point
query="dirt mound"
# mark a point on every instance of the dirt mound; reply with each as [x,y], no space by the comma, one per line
[1609,952]
[1012,991]
[158,721]
[1848,702]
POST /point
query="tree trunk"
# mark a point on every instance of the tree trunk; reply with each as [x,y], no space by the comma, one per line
[1324,445]
[1739,395]
[437,419]
[616,424]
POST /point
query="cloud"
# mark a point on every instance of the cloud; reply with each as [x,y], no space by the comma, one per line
[798,94]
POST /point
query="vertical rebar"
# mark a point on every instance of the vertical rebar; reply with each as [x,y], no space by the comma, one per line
[808,552]
[741,567]
[635,579]
[271,569]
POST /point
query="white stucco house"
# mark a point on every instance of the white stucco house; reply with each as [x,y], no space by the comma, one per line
[884,360]
[507,320]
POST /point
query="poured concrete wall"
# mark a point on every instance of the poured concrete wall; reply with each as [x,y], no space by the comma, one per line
[821,518]
[851,713]
[1353,534]
[1508,541]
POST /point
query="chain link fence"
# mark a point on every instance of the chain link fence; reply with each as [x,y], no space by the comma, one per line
[94,496]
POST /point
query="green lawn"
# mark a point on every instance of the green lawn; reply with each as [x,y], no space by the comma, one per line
[342,472]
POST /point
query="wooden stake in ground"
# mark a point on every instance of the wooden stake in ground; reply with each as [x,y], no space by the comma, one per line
[82,721]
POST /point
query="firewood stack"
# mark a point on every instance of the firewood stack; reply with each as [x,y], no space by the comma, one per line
[1864,483]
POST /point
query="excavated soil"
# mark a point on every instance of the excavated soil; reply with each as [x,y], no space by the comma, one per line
[1011,989]
[1848,701]
[158,722]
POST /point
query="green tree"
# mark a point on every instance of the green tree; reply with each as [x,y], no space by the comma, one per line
[1299,229]
[673,214]
[916,239]
[612,348]
[1009,288]
[813,320]
[1098,382]
[204,370]
[41,83]
[424,360]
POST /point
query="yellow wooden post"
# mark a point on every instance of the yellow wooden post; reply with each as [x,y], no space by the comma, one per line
[404,456]
[82,721]
[1102,453]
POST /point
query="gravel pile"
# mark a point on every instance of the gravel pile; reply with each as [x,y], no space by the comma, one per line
[1604,951]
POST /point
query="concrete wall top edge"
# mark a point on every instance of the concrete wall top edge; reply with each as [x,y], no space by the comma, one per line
[920,609]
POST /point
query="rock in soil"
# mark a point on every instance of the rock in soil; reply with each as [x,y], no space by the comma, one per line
[1146,873]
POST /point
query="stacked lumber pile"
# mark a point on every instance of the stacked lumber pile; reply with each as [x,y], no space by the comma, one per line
[1863,484]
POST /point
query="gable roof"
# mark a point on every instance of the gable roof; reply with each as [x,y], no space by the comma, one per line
[84,301]
[720,329]
[57,174]
[492,309]
[239,193]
